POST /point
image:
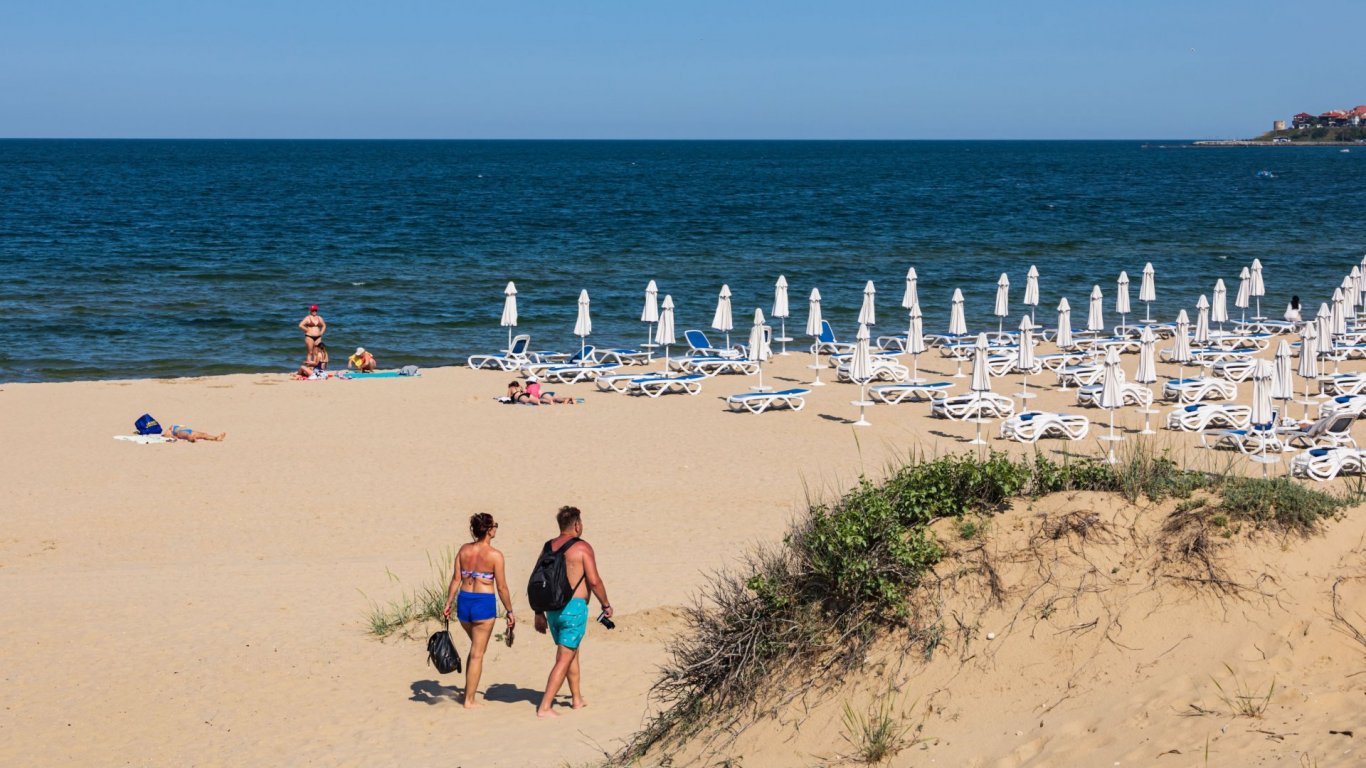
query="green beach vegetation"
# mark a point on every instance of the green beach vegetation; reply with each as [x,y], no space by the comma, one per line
[1343,134]
[847,573]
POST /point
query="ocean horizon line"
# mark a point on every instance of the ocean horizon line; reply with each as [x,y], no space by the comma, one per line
[545,140]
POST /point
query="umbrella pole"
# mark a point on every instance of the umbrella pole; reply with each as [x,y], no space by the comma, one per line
[509,338]
[1111,458]
[1149,314]
[818,367]
[783,333]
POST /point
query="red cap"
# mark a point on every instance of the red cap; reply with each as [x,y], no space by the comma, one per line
[313,308]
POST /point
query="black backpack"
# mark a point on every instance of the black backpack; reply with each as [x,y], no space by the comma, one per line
[548,589]
[441,652]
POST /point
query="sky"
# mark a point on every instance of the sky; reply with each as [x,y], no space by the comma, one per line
[1027,69]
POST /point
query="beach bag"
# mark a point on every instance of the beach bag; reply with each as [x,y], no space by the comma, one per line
[146,425]
[408,370]
[548,589]
[441,652]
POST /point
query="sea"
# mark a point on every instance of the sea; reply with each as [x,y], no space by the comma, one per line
[135,259]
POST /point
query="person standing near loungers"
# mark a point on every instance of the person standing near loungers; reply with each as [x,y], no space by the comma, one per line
[568,625]
[314,326]
[478,572]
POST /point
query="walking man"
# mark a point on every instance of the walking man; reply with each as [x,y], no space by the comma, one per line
[567,625]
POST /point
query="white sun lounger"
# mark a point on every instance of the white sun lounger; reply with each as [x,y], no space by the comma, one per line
[622,356]
[512,359]
[973,405]
[1236,369]
[1029,426]
[882,369]
[714,366]
[758,402]
[1080,375]
[900,392]
[1328,431]
[1199,388]
[1129,394]
[1054,361]
[1344,383]
[1344,405]
[690,384]
[573,374]
[621,382]
[1249,441]
[1328,463]
[1198,417]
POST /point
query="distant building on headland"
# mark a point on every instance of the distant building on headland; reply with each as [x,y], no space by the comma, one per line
[1334,118]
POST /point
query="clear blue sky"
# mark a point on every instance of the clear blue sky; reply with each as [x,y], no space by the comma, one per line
[645,69]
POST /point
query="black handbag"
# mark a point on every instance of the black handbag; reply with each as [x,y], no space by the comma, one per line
[441,652]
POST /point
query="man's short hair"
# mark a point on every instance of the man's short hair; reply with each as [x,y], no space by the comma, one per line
[567,516]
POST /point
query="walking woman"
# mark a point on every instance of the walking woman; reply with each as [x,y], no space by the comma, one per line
[478,573]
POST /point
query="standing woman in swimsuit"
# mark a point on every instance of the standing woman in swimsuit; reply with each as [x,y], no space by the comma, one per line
[314,326]
[478,572]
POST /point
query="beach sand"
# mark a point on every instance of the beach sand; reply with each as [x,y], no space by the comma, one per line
[205,604]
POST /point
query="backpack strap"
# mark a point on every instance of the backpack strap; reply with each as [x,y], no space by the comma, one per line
[565,548]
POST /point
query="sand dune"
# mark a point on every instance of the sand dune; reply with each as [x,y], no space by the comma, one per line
[204,604]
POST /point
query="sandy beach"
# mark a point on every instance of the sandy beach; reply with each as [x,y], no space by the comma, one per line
[205,604]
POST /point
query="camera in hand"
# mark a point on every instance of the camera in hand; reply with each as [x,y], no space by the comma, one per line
[606,622]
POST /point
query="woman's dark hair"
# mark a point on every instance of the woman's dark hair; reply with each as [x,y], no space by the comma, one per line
[1295,302]
[514,383]
[480,524]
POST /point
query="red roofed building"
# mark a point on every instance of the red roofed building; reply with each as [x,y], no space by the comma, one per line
[1333,117]
[1302,120]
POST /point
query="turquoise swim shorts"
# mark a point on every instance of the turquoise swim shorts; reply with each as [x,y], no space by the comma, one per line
[568,624]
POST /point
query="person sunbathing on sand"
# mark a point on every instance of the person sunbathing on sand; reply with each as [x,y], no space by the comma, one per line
[518,395]
[533,388]
[181,432]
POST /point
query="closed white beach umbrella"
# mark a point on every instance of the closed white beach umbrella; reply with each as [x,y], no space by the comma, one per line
[1308,368]
[813,329]
[1338,313]
[721,320]
[1218,310]
[915,342]
[780,309]
[1258,287]
[759,349]
[1324,319]
[1064,337]
[649,314]
[1147,290]
[1122,296]
[1202,321]
[813,313]
[1147,357]
[1111,398]
[1031,296]
[1095,318]
[1349,289]
[583,324]
[1357,279]
[1244,298]
[911,297]
[1147,370]
[664,332]
[958,324]
[981,379]
[1282,373]
[1181,343]
[509,320]
[1024,355]
[1263,417]
[867,314]
[1360,276]
[1002,307]
[861,370]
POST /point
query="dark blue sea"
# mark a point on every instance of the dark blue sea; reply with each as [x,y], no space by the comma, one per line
[130,259]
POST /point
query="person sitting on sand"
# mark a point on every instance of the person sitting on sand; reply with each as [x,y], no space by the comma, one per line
[362,361]
[533,388]
[319,358]
[478,573]
[1292,312]
[181,432]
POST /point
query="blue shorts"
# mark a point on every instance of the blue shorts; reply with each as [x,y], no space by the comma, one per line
[568,624]
[475,606]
